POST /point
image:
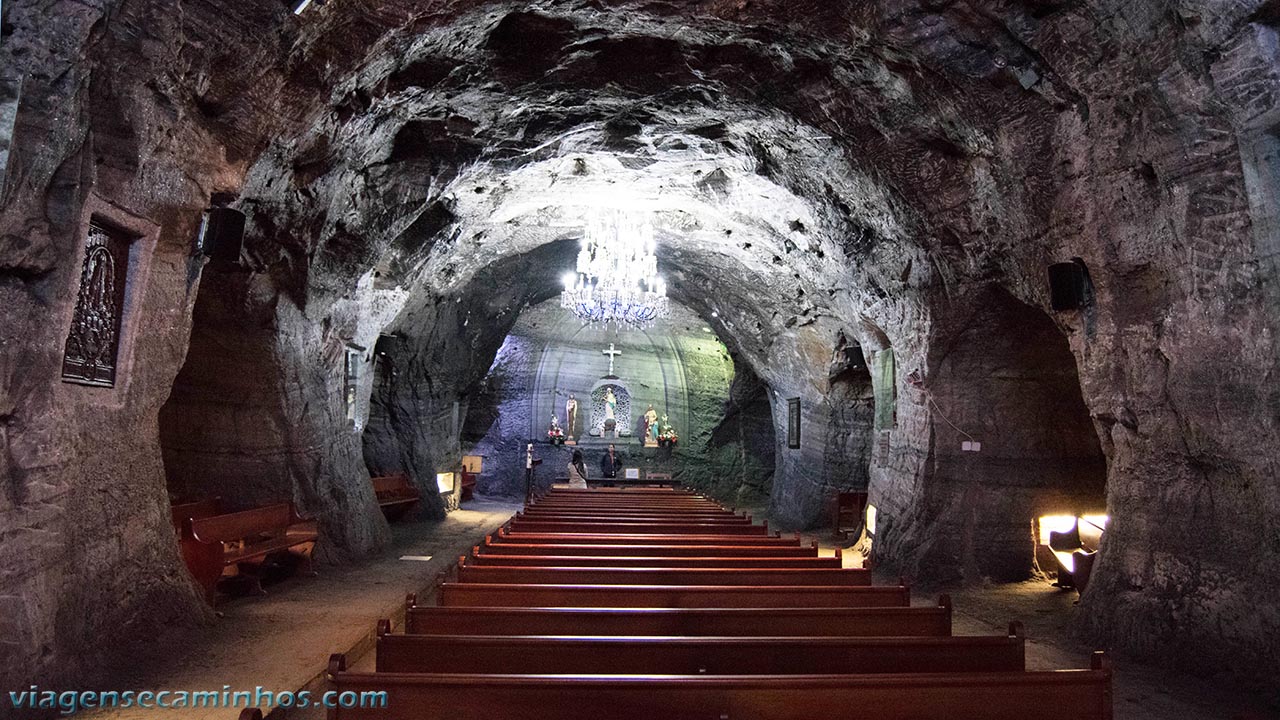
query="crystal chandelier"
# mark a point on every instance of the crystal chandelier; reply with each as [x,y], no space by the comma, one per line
[617,275]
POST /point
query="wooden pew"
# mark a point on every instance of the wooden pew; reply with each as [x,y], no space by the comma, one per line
[396,494]
[635,519]
[469,481]
[632,515]
[627,495]
[197,509]
[650,528]
[496,574]
[621,561]
[639,655]
[1053,695]
[216,544]
[625,491]
[467,594]
[767,622]
[677,507]
[561,549]
[524,538]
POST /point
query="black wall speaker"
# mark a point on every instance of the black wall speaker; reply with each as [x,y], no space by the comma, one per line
[1069,285]
[221,234]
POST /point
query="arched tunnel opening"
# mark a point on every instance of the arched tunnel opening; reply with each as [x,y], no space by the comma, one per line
[679,370]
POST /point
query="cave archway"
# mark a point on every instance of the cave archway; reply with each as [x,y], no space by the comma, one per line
[261,411]
[1011,440]
[679,366]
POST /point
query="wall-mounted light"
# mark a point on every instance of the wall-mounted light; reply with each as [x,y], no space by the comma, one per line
[445,482]
[871,520]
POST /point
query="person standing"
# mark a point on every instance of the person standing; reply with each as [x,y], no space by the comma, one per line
[577,471]
[609,463]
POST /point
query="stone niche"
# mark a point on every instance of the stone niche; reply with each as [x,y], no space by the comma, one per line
[678,366]
[622,427]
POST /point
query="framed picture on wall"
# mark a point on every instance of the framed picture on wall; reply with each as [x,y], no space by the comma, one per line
[793,423]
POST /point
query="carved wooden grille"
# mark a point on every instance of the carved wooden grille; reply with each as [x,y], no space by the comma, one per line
[93,343]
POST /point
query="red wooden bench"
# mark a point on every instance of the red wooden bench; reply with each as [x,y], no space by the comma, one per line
[766,622]
[228,544]
[196,509]
[584,505]
[635,519]
[396,494]
[1053,695]
[506,536]
[633,655]
[846,513]
[652,528]
[496,574]
[468,485]
[622,561]
[563,549]
[632,515]
[466,594]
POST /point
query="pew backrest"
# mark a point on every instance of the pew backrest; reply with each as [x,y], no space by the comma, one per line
[770,622]
[640,655]
[1051,695]
[465,594]
[239,525]
[198,509]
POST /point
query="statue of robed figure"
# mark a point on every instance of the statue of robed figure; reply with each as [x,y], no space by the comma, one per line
[649,427]
[571,416]
[610,405]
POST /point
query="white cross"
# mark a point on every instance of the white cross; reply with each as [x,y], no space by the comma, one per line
[611,352]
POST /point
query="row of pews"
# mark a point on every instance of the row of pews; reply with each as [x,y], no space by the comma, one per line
[661,604]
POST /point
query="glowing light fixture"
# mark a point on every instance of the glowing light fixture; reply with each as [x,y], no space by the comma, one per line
[616,278]
[1088,531]
[445,481]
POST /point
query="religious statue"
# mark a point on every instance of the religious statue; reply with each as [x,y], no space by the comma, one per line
[649,426]
[610,405]
[571,415]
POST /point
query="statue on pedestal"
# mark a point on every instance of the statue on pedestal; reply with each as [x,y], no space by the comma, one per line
[610,405]
[571,415]
[611,412]
[649,427]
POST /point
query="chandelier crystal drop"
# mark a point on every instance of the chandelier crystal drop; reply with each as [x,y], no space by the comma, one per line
[617,273]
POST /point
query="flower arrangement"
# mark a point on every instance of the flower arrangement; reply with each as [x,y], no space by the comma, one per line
[667,434]
[555,435]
